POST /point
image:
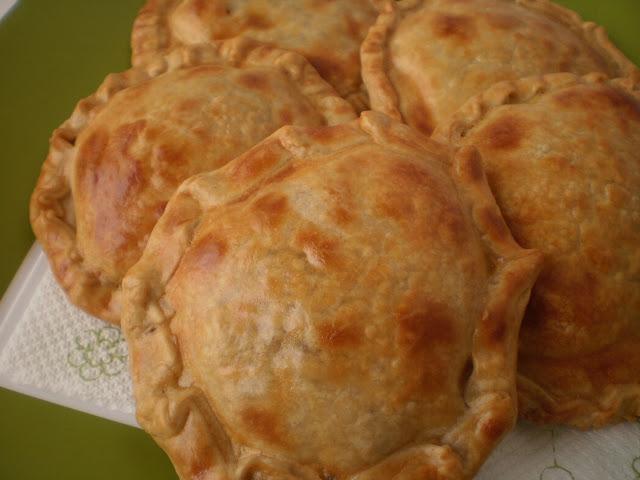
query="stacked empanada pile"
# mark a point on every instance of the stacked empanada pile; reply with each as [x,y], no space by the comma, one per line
[322,223]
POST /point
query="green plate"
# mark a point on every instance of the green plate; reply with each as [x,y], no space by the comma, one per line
[53,53]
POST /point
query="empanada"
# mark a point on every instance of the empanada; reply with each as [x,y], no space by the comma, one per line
[562,155]
[336,303]
[327,33]
[424,58]
[114,164]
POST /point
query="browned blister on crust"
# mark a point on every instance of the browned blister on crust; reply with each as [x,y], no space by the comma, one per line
[338,302]
[424,58]
[114,164]
[328,34]
[562,155]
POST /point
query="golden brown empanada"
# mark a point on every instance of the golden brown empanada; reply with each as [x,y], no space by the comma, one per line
[336,303]
[562,155]
[327,33]
[114,164]
[424,58]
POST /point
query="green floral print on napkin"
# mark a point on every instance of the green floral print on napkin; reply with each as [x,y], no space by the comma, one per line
[98,353]
[555,471]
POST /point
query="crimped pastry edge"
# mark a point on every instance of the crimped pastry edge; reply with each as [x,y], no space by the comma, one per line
[524,90]
[150,33]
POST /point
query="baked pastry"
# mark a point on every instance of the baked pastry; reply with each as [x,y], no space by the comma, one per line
[331,304]
[424,58]
[562,155]
[328,34]
[114,164]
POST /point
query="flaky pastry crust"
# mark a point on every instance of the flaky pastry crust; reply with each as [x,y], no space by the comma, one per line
[328,34]
[424,58]
[561,154]
[114,164]
[336,303]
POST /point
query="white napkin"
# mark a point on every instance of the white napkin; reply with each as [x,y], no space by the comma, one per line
[54,351]
[538,453]
[5,6]
[58,353]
